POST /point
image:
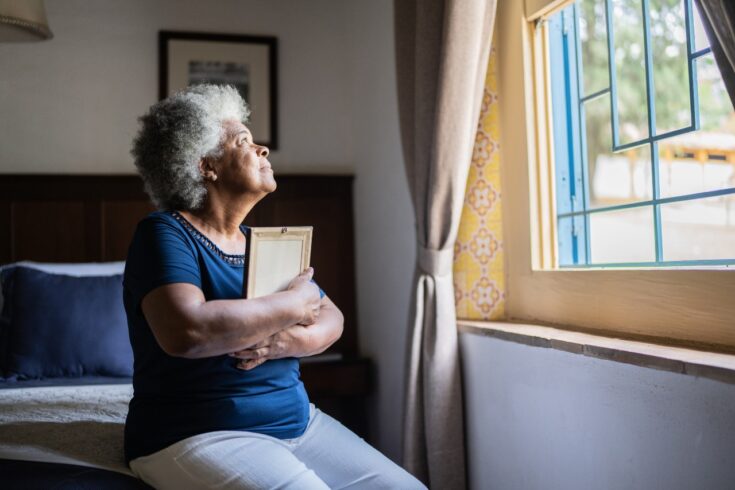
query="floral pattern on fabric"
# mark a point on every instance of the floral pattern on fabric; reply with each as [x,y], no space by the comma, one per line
[479,272]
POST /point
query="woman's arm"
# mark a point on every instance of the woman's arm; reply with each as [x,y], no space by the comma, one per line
[297,341]
[186,325]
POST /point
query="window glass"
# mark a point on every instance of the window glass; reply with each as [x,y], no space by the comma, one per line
[615,177]
[704,160]
[700,229]
[630,70]
[605,160]
[700,36]
[622,236]
[593,43]
[670,65]
[715,109]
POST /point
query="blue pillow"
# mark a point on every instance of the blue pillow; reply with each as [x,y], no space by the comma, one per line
[64,326]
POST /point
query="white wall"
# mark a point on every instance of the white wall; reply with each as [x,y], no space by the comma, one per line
[384,217]
[70,105]
[546,419]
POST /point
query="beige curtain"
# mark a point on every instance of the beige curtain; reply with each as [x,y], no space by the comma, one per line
[718,17]
[442,50]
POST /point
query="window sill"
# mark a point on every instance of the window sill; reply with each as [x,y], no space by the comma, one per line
[712,365]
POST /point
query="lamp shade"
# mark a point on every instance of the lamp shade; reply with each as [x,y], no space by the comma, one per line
[23,21]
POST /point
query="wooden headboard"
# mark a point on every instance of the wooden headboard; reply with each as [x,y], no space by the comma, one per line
[91,218]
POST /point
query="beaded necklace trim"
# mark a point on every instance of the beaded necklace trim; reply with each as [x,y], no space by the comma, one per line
[232,259]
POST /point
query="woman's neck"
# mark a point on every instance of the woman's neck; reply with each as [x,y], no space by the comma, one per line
[221,215]
[212,222]
[219,219]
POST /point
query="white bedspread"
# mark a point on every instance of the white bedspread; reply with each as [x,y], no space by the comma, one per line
[71,424]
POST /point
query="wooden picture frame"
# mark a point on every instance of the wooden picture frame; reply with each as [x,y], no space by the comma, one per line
[247,62]
[275,256]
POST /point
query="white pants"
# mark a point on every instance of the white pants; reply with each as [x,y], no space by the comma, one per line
[327,455]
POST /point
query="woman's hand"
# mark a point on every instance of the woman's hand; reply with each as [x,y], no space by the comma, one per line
[286,343]
[297,340]
[308,293]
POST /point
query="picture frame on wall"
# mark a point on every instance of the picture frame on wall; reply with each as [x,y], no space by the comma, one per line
[249,63]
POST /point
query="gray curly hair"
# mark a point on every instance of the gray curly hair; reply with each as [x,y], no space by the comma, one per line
[176,134]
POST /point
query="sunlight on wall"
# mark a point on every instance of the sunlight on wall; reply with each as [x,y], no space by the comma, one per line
[479,276]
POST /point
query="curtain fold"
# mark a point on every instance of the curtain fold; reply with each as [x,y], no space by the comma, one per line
[718,17]
[442,51]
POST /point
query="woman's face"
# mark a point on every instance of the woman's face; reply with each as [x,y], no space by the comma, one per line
[244,166]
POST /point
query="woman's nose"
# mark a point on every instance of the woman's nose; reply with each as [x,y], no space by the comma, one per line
[263,151]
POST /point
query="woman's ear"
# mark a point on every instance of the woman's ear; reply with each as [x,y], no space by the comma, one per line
[207,169]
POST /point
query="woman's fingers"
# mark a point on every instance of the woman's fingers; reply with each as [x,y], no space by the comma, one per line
[308,294]
[262,343]
[312,318]
[250,364]
[252,354]
[302,278]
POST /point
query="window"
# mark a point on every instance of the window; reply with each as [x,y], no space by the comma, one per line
[675,305]
[643,137]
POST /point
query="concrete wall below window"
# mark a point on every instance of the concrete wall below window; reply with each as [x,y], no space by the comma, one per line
[546,419]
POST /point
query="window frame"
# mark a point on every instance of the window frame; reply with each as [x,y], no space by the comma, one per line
[568,91]
[685,306]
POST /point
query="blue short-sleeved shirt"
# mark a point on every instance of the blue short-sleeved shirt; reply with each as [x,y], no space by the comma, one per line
[175,398]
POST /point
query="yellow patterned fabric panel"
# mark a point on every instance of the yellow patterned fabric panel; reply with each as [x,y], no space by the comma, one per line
[479,275]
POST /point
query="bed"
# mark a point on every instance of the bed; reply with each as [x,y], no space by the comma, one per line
[65,361]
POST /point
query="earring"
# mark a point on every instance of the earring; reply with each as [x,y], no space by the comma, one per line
[214,177]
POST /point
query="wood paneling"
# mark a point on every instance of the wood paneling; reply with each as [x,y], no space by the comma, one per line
[59,218]
[50,231]
[5,230]
[119,219]
[339,388]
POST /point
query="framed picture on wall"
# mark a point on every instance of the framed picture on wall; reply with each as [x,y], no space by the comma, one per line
[246,62]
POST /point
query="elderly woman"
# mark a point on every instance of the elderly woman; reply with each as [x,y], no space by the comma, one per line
[218,401]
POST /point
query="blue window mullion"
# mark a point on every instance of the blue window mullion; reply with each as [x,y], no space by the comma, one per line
[576,176]
[572,94]
[564,111]
[700,53]
[689,263]
[582,137]
[651,103]
[563,146]
[657,137]
[595,95]
[665,200]
[612,74]
[692,65]
[655,179]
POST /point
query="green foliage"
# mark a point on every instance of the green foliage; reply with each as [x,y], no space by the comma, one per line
[670,73]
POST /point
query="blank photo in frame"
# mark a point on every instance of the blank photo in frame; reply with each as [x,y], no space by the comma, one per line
[275,256]
[246,62]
